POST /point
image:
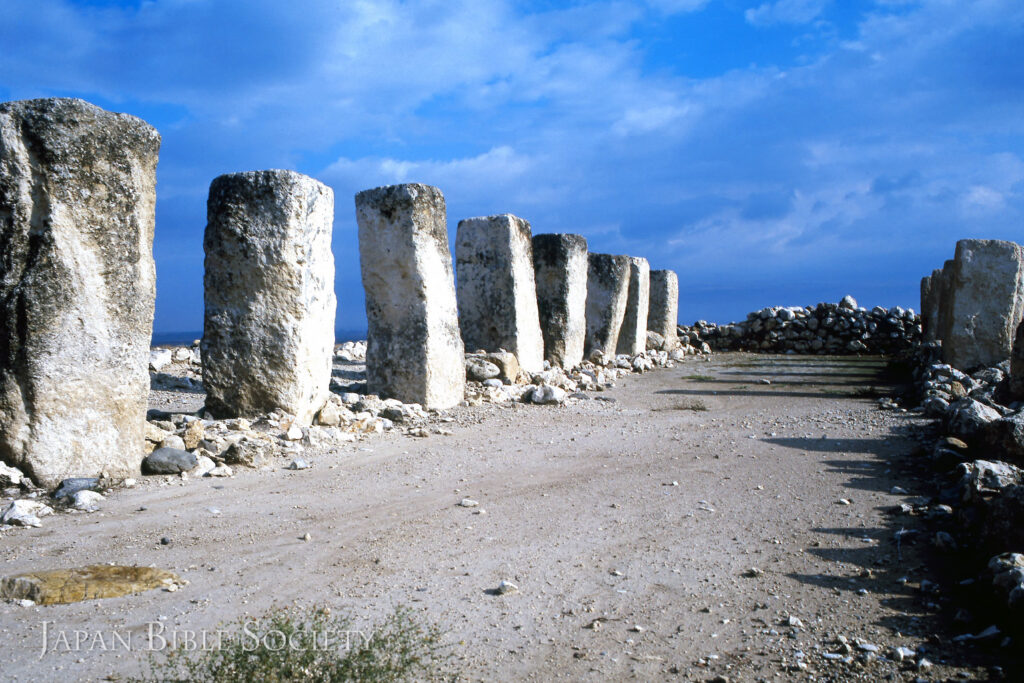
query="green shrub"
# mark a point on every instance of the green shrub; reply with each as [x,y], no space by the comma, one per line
[295,644]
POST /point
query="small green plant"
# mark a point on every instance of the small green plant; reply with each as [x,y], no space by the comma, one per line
[696,406]
[311,645]
[699,378]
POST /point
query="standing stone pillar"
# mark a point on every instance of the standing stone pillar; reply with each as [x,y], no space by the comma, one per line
[77,286]
[268,336]
[560,271]
[663,313]
[414,350]
[1016,377]
[986,303]
[633,335]
[928,298]
[607,292]
[497,296]
[942,282]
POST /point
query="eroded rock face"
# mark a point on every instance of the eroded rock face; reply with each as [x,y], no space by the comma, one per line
[497,297]
[77,287]
[560,273]
[985,303]
[607,292]
[663,311]
[929,308]
[633,334]
[1016,377]
[268,335]
[414,349]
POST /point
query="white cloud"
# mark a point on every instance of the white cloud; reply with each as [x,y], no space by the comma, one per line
[785,12]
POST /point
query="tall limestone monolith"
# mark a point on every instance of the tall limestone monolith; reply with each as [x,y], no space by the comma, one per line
[929,284]
[560,272]
[77,286]
[1015,379]
[268,336]
[986,303]
[414,349]
[607,293]
[942,281]
[633,334]
[663,312]
[497,295]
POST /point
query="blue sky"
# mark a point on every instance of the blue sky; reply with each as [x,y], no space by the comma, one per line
[771,152]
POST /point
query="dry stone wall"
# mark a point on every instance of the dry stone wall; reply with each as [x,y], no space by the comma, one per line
[827,328]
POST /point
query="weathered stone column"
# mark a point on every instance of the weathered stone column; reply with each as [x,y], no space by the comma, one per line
[414,351]
[663,313]
[560,271]
[929,283]
[268,336]
[633,335]
[942,282]
[77,286]
[1016,377]
[986,303]
[607,292]
[497,296]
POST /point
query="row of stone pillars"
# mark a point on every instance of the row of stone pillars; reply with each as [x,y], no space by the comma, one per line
[77,285]
[543,298]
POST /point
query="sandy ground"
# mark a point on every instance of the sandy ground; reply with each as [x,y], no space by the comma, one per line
[646,512]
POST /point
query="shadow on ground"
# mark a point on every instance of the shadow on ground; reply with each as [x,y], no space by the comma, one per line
[897,559]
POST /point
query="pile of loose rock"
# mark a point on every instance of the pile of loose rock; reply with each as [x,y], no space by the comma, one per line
[978,453]
[827,328]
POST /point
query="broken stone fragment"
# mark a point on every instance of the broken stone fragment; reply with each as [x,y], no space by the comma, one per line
[168,461]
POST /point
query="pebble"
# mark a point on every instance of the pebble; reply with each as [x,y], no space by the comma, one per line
[299,464]
[506,587]
[468,503]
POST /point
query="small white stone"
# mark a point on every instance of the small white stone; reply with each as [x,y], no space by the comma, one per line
[86,500]
[468,503]
[507,587]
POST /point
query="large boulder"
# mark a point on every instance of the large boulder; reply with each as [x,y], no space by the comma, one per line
[967,418]
[414,348]
[497,297]
[268,336]
[1005,438]
[77,287]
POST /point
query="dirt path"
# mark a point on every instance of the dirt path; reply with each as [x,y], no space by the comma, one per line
[644,516]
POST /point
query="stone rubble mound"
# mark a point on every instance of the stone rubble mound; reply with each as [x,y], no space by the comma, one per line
[827,328]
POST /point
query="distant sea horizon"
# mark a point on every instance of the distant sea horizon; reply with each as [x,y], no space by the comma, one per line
[188,336]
